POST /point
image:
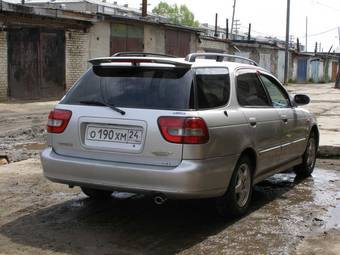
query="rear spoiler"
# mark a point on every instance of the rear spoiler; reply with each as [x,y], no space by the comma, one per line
[142,54]
[138,60]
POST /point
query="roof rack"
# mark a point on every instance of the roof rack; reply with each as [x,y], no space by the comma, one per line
[142,54]
[138,60]
[219,57]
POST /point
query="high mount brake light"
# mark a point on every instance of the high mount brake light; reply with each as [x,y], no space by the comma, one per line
[184,130]
[58,120]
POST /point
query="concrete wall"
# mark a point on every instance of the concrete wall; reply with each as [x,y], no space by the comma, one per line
[3,66]
[193,43]
[280,65]
[209,45]
[99,40]
[154,39]
[265,56]
[76,55]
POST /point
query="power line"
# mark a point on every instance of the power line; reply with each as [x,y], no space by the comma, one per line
[321,33]
[328,6]
[265,34]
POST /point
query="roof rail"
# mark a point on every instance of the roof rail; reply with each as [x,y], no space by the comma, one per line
[219,57]
[137,60]
[142,54]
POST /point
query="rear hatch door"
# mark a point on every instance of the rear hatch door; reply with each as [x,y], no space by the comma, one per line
[143,94]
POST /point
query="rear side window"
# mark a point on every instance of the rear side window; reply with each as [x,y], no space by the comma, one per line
[250,91]
[134,87]
[213,87]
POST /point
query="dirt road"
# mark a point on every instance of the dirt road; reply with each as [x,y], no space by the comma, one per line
[288,216]
[22,129]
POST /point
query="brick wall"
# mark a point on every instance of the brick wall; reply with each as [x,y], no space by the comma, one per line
[77,55]
[3,66]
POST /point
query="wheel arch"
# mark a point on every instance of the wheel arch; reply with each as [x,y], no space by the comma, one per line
[251,154]
[315,130]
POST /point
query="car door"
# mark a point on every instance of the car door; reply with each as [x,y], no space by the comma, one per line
[226,125]
[263,119]
[293,138]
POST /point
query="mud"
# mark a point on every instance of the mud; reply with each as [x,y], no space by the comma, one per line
[22,129]
[287,216]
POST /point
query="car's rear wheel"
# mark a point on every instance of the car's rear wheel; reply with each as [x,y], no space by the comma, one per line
[96,193]
[309,157]
[236,200]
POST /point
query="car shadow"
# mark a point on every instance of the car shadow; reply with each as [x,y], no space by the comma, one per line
[131,226]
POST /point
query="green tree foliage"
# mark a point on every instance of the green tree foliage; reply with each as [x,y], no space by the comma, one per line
[180,15]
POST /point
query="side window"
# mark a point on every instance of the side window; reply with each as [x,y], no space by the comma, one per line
[250,91]
[278,97]
[213,87]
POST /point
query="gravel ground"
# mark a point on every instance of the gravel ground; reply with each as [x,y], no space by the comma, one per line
[287,216]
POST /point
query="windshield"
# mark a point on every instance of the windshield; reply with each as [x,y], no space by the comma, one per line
[134,87]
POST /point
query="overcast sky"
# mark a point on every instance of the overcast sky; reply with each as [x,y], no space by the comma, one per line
[268,17]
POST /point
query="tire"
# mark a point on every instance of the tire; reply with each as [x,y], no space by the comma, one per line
[235,202]
[309,157]
[96,193]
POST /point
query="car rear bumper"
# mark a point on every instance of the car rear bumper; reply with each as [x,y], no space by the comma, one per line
[190,179]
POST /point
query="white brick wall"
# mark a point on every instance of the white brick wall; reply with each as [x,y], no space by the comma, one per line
[3,66]
[76,55]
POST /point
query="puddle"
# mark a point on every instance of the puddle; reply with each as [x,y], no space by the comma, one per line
[334,220]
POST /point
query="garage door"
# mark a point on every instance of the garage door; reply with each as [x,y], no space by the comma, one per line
[36,63]
[177,43]
[126,38]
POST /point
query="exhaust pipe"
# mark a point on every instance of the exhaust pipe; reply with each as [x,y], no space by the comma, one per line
[160,199]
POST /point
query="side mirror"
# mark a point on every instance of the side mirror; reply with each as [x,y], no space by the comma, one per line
[301,99]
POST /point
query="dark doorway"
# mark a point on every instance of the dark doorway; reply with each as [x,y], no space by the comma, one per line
[36,63]
[177,43]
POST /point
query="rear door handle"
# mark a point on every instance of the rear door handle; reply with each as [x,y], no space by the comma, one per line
[252,121]
[284,118]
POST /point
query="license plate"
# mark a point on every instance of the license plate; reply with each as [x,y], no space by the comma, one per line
[114,135]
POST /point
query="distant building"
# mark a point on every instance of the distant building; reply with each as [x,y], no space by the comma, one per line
[45,46]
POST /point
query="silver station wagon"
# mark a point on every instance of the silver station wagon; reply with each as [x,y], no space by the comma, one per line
[199,127]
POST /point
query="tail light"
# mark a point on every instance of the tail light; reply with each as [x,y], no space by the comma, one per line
[188,130]
[58,120]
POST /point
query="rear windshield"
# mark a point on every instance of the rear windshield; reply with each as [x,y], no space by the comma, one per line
[135,87]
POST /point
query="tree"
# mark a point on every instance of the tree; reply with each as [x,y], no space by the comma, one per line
[180,15]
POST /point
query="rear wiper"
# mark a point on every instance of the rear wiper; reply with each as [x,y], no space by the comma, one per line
[93,102]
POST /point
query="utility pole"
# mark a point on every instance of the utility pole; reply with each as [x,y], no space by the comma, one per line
[236,26]
[227,29]
[144,8]
[249,30]
[287,43]
[316,47]
[306,32]
[216,17]
[232,20]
